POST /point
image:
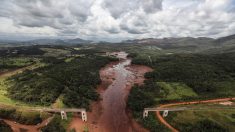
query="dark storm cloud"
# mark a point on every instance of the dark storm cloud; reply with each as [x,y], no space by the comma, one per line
[112,30]
[80,9]
[131,30]
[68,32]
[40,13]
[152,6]
[5,8]
[119,7]
[38,8]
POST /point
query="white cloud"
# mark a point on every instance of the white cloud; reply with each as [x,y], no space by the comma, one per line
[112,19]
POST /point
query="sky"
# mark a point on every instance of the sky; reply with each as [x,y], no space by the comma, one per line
[115,20]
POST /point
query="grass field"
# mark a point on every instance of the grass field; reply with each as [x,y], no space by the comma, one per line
[59,103]
[3,93]
[226,88]
[17,61]
[4,99]
[172,91]
[55,52]
[189,120]
[10,63]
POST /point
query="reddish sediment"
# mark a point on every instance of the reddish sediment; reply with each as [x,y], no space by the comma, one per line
[110,113]
[30,128]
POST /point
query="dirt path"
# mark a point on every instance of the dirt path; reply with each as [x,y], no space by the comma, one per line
[16,127]
[15,71]
[110,113]
[163,121]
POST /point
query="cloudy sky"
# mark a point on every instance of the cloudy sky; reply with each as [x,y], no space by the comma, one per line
[114,20]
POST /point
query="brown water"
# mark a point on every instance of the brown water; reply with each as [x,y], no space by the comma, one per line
[114,117]
[110,114]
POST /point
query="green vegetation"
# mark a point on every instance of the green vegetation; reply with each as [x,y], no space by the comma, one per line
[59,103]
[4,127]
[175,91]
[58,76]
[205,74]
[14,62]
[141,97]
[57,125]
[184,77]
[21,51]
[75,81]
[4,99]
[67,77]
[138,100]
[23,117]
[55,52]
[211,120]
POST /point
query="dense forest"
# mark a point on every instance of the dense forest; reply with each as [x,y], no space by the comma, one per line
[54,126]
[11,63]
[28,118]
[21,50]
[72,74]
[75,81]
[203,73]
[209,76]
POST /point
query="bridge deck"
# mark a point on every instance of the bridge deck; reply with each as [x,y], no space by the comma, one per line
[58,110]
[164,109]
[189,108]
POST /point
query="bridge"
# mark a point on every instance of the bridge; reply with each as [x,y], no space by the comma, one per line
[168,107]
[63,111]
[167,110]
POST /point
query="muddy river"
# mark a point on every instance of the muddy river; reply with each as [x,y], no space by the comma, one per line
[110,114]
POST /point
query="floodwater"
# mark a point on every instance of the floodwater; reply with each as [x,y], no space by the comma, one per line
[110,114]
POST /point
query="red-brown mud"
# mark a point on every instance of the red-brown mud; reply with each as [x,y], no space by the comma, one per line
[30,128]
[110,114]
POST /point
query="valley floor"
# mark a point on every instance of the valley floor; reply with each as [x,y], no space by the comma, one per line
[110,113]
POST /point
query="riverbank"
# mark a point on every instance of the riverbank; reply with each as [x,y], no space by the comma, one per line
[110,113]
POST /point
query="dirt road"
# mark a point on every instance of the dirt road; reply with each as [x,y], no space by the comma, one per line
[163,121]
[16,127]
[16,71]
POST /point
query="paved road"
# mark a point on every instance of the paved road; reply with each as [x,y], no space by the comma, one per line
[163,121]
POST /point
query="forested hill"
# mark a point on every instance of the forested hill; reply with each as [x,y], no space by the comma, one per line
[180,77]
[75,81]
